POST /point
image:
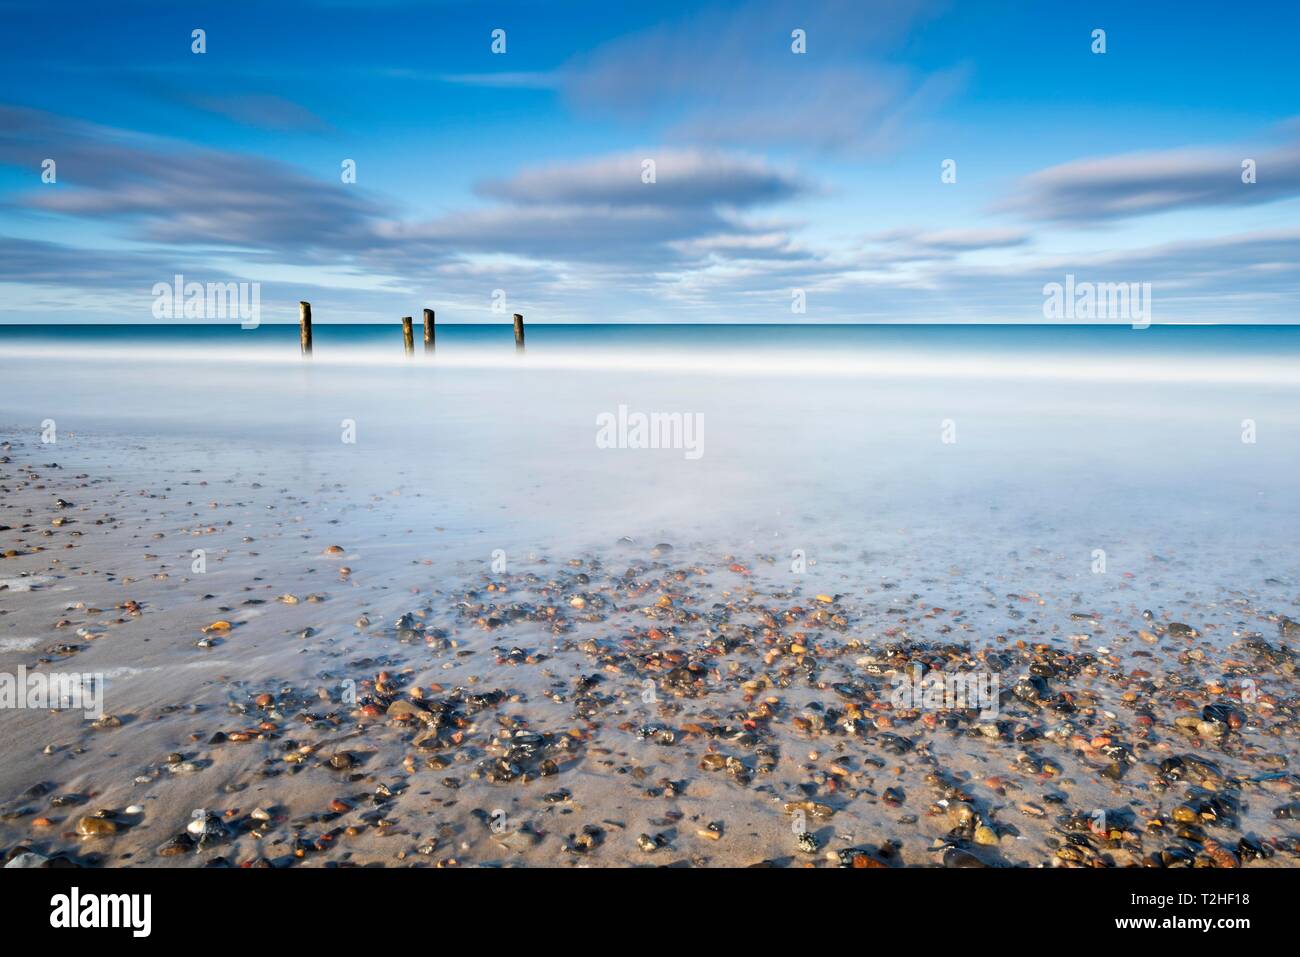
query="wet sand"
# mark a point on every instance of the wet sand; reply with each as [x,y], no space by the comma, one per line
[379,697]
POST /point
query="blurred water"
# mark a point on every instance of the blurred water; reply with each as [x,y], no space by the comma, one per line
[549,338]
[825,439]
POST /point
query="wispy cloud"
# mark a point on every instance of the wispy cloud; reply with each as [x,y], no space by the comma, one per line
[604,211]
[729,76]
[653,178]
[1140,184]
[708,236]
[1246,277]
[504,80]
[262,111]
[918,244]
[589,227]
[164,192]
[41,262]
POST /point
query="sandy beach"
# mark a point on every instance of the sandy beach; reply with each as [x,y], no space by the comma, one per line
[477,638]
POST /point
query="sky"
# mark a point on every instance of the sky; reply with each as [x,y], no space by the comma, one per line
[649,162]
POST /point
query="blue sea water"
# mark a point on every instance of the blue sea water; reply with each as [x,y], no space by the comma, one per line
[1012,452]
[1221,341]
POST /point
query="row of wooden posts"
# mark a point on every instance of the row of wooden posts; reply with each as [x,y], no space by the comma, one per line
[408,332]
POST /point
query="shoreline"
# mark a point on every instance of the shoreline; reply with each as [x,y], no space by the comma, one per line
[523,692]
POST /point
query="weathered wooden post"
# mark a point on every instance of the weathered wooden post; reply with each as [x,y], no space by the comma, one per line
[304,327]
[519,333]
[408,336]
[428,331]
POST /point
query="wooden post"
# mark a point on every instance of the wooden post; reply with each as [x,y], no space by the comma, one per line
[304,327]
[408,336]
[428,331]
[519,333]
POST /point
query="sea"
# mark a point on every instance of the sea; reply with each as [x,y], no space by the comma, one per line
[996,457]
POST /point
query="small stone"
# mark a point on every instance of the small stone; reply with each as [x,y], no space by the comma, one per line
[180,844]
[1211,729]
[206,827]
[403,709]
[960,813]
[96,827]
[956,857]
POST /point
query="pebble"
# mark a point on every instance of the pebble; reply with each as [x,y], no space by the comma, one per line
[174,846]
[96,827]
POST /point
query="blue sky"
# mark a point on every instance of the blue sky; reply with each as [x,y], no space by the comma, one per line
[774,171]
